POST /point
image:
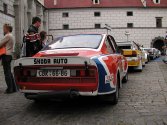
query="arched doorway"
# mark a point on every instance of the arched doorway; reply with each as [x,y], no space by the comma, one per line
[158,43]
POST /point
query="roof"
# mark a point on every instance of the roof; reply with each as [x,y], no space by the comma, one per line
[124,43]
[163,3]
[64,4]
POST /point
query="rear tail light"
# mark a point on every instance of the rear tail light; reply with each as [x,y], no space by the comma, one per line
[92,73]
[87,73]
[31,73]
[134,53]
[82,73]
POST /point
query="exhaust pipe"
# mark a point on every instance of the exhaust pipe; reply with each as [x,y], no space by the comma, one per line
[74,94]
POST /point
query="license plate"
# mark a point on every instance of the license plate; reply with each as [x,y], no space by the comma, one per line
[53,73]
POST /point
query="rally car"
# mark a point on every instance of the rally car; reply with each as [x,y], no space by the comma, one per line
[76,65]
[133,54]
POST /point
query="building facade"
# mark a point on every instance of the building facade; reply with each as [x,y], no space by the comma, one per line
[7,14]
[144,20]
[19,14]
[25,10]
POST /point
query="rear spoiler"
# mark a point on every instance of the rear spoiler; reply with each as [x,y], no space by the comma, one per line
[38,61]
[129,52]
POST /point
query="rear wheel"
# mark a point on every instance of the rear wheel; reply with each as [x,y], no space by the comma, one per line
[125,78]
[113,98]
[116,95]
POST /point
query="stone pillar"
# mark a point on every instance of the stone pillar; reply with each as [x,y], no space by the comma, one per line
[19,21]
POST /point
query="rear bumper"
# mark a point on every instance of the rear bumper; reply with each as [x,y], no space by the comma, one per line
[56,94]
[133,62]
[83,87]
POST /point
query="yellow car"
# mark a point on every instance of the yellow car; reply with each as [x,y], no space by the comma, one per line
[133,54]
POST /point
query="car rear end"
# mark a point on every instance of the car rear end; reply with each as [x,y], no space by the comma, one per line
[132,57]
[152,53]
[55,76]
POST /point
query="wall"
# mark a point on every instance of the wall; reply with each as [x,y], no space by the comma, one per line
[6,18]
[25,10]
[83,20]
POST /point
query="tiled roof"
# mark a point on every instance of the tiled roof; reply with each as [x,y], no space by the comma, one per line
[163,3]
[61,4]
[88,3]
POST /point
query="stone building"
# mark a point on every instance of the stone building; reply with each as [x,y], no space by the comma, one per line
[7,14]
[19,14]
[25,10]
[144,20]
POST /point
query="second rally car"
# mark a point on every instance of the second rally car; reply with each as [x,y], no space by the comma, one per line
[76,65]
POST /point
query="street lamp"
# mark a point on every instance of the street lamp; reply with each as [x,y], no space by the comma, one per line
[127,35]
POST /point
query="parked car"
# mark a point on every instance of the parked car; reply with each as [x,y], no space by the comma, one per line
[77,65]
[145,55]
[158,53]
[152,52]
[133,54]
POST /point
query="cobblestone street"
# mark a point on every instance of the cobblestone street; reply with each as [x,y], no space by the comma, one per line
[143,101]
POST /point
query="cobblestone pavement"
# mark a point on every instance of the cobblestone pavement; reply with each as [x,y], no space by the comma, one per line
[143,101]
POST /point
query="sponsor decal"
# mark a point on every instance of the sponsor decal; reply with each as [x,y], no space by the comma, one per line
[109,78]
[50,61]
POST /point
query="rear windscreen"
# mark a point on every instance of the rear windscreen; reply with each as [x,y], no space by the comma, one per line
[76,41]
[124,47]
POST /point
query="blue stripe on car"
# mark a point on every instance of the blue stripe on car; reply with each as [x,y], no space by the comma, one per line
[103,87]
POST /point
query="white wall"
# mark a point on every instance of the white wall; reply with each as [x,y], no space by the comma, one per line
[6,18]
[143,18]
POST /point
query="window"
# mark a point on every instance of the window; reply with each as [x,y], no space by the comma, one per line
[65,14]
[97,14]
[65,26]
[76,41]
[5,8]
[55,2]
[114,45]
[157,1]
[108,46]
[124,47]
[159,22]
[130,25]
[129,13]
[96,1]
[97,26]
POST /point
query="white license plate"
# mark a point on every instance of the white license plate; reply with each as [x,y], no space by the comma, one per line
[53,73]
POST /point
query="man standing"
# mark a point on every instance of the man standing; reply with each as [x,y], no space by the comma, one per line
[8,43]
[32,39]
[36,23]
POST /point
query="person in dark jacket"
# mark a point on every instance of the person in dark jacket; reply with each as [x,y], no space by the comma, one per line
[32,39]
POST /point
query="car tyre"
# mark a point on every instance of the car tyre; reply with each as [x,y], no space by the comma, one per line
[125,78]
[113,98]
[116,94]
